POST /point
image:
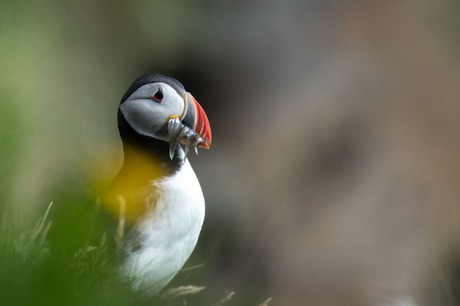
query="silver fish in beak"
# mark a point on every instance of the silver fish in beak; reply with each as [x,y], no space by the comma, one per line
[192,129]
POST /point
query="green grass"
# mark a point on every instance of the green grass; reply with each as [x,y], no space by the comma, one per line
[34,270]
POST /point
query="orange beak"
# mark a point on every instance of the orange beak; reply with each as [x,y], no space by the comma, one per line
[195,118]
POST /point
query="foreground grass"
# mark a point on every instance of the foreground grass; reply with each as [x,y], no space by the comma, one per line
[35,272]
[36,268]
[45,266]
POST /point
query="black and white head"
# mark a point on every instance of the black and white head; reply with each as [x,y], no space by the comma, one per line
[157,111]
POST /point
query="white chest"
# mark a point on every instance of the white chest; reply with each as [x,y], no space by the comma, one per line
[167,234]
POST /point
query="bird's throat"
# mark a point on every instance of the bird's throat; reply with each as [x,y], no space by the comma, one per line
[151,151]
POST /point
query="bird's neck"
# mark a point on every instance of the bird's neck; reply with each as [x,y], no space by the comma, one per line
[153,156]
[152,152]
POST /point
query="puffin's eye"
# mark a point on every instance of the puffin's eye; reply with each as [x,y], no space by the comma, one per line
[158,96]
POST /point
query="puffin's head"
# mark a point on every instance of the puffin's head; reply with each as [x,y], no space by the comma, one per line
[159,107]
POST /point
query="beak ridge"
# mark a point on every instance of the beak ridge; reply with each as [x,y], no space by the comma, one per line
[196,118]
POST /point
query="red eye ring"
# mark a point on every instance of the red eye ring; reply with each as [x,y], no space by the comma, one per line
[158,96]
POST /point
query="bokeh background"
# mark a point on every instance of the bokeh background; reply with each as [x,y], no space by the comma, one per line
[335,168]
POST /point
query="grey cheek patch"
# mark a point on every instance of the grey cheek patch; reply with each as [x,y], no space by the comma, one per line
[142,116]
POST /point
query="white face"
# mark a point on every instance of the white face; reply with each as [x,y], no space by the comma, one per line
[147,115]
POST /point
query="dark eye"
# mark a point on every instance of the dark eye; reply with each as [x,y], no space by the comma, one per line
[158,96]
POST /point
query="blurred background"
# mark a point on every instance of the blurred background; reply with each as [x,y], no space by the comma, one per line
[334,173]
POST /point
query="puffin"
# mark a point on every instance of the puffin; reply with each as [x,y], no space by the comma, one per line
[156,194]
